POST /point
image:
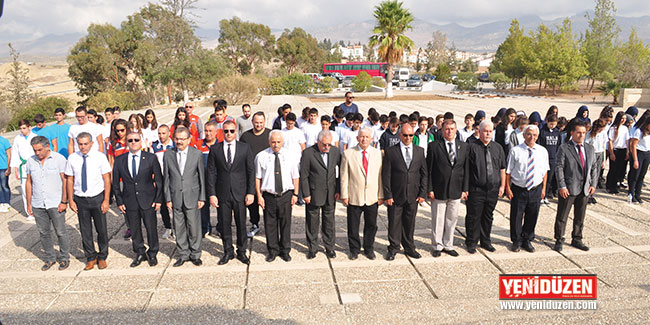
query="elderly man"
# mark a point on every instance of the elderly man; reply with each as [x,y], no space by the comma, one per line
[320,186]
[362,192]
[487,177]
[276,185]
[47,199]
[525,187]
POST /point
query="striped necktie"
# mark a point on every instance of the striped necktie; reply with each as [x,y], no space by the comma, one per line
[530,170]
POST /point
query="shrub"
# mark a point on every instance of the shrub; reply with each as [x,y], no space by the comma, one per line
[110,98]
[443,73]
[500,80]
[379,82]
[237,89]
[327,84]
[293,84]
[43,105]
[466,81]
[362,82]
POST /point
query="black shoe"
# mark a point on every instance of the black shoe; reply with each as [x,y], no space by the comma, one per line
[451,252]
[527,246]
[138,259]
[488,247]
[579,245]
[47,265]
[197,262]
[436,253]
[471,249]
[369,254]
[127,234]
[412,254]
[638,200]
[225,258]
[390,256]
[285,257]
[354,255]
[330,254]
[179,262]
[516,246]
[310,255]
[153,261]
[271,257]
[242,258]
[63,265]
[558,246]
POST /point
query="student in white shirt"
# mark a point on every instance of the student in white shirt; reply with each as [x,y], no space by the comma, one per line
[618,154]
[349,139]
[311,128]
[325,123]
[21,151]
[639,157]
[84,126]
[468,130]
[598,139]
[294,138]
[376,133]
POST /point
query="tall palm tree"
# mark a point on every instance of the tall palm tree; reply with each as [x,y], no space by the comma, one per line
[392,22]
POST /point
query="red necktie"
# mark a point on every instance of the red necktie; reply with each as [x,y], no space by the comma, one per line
[365,162]
[582,157]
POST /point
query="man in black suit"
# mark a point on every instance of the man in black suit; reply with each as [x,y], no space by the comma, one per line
[320,187]
[447,185]
[404,177]
[232,164]
[140,197]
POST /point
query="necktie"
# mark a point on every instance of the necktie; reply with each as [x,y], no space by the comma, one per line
[229,157]
[452,155]
[133,170]
[278,174]
[84,177]
[582,157]
[365,162]
[530,168]
[489,169]
[181,161]
[324,156]
[408,157]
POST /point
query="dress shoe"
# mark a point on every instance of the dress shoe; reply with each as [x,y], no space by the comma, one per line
[63,265]
[579,245]
[558,246]
[436,253]
[242,258]
[197,262]
[90,265]
[101,264]
[516,246]
[369,254]
[451,252]
[285,257]
[153,261]
[138,259]
[412,254]
[47,265]
[527,246]
[179,262]
[225,258]
[310,255]
[271,257]
[330,254]
[488,247]
[354,255]
[390,256]
[471,249]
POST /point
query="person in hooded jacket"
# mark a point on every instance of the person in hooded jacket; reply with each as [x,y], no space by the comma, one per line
[549,138]
[583,115]
[535,119]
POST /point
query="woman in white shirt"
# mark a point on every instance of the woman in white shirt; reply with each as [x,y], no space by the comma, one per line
[618,155]
[597,137]
[639,157]
[150,127]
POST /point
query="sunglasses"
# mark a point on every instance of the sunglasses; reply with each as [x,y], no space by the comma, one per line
[352,97]
[229,131]
[408,135]
[120,130]
[189,106]
[133,140]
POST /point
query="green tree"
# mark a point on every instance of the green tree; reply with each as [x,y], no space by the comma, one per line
[509,56]
[634,62]
[245,44]
[362,82]
[436,51]
[598,42]
[469,66]
[443,73]
[613,88]
[392,22]
[299,51]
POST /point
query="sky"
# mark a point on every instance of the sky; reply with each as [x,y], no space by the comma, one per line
[31,19]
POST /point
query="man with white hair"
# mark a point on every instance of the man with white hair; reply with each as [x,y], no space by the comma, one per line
[525,187]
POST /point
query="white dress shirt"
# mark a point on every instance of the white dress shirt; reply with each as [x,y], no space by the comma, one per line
[233,148]
[92,128]
[403,147]
[453,146]
[518,164]
[265,170]
[137,162]
[182,159]
[96,166]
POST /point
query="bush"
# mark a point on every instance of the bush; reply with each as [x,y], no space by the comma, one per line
[327,84]
[500,80]
[293,84]
[466,81]
[379,82]
[362,82]
[237,89]
[43,105]
[443,73]
[124,99]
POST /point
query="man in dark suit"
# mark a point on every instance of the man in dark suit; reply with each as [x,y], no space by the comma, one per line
[404,178]
[183,169]
[447,185]
[232,164]
[320,187]
[577,173]
[140,197]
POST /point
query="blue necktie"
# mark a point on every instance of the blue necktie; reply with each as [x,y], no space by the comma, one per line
[84,178]
[133,171]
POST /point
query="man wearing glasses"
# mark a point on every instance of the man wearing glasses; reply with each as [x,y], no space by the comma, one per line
[348,106]
[84,126]
[140,197]
[194,119]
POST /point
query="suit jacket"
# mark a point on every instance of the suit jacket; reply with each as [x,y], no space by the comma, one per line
[568,170]
[236,181]
[186,189]
[145,190]
[359,188]
[447,181]
[316,180]
[401,183]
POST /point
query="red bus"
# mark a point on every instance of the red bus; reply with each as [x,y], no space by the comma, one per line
[374,69]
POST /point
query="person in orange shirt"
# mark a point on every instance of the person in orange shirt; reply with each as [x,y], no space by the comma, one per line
[195,120]
[220,117]
[182,120]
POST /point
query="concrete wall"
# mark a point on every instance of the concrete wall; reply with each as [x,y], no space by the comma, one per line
[634,97]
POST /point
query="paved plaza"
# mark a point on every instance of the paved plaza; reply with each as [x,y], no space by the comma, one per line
[431,290]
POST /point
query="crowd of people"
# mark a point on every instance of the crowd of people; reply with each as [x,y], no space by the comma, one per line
[238,166]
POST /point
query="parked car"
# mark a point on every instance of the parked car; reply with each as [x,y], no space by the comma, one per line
[414,81]
[347,81]
[317,77]
[336,75]
[404,74]
[484,77]
[427,77]
[395,80]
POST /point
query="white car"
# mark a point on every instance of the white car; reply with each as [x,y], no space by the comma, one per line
[403,74]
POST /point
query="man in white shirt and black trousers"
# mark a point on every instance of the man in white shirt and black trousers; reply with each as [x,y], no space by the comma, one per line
[276,185]
[526,175]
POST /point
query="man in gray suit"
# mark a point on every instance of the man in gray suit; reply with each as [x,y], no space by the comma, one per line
[184,187]
[577,173]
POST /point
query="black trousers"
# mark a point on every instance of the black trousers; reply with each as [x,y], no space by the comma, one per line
[551,183]
[89,212]
[401,226]
[636,176]
[277,222]
[205,218]
[579,204]
[369,227]
[313,216]
[524,207]
[480,207]
[228,208]
[147,216]
[254,211]
[164,215]
[616,170]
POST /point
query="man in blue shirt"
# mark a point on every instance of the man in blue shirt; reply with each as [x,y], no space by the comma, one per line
[40,128]
[5,171]
[348,106]
[58,133]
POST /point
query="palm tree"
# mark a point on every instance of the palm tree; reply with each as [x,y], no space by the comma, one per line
[392,21]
